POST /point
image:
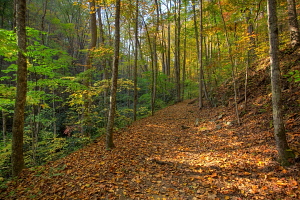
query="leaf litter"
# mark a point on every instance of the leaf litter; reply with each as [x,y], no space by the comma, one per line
[167,156]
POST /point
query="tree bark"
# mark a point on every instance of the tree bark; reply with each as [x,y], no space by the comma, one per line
[4,125]
[201,57]
[293,23]
[279,131]
[184,53]
[17,158]
[114,82]
[168,56]
[135,96]
[177,51]
[232,64]
[88,66]
[155,62]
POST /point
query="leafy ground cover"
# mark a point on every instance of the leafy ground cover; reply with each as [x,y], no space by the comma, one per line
[179,153]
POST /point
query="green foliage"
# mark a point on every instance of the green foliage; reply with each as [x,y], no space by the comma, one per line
[7,95]
[51,149]
[5,152]
[143,111]
[164,90]
[123,117]
[191,89]
[293,76]
[8,45]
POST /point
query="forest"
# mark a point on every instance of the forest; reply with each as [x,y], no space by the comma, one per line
[80,75]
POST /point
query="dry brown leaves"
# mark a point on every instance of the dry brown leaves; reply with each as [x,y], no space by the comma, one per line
[167,157]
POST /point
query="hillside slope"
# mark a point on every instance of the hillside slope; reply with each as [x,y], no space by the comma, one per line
[183,153]
[167,157]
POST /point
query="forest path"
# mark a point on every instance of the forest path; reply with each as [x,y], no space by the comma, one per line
[166,156]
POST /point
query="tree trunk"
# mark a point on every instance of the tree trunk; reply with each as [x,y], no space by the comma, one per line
[87,124]
[17,158]
[200,57]
[43,20]
[232,65]
[168,56]
[184,54]
[114,82]
[199,44]
[135,95]
[293,23]
[177,51]
[155,62]
[4,126]
[279,131]
[250,55]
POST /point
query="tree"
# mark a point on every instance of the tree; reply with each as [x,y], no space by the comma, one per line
[201,55]
[283,149]
[293,23]
[6,9]
[88,66]
[18,120]
[114,81]
[136,32]
[229,45]
[177,49]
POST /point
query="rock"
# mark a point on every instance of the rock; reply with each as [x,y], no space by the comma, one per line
[197,122]
[229,123]
[220,116]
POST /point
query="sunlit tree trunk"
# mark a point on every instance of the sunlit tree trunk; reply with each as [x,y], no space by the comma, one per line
[88,66]
[200,56]
[135,95]
[155,62]
[168,56]
[114,81]
[18,120]
[102,40]
[250,55]
[293,23]
[184,54]
[232,64]
[283,149]
[177,50]
[199,43]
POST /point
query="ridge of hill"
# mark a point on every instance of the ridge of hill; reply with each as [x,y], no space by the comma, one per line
[183,153]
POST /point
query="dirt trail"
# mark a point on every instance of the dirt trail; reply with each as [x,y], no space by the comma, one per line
[167,156]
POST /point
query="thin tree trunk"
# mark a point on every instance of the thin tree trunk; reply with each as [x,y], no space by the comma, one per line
[250,56]
[168,57]
[43,20]
[155,62]
[103,67]
[232,65]
[114,82]
[18,120]
[4,126]
[184,55]
[293,23]
[54,115]
[88,66]
[199,49]
[283,149]
[177,51]
[201,56]
[135,95]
